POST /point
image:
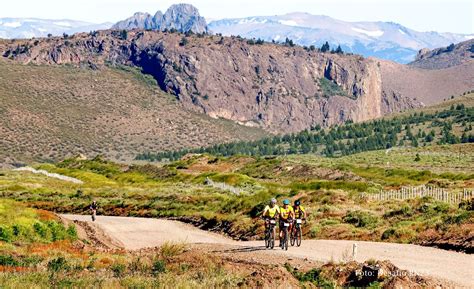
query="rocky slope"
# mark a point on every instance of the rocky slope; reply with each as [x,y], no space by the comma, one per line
[452,55]
[279,88]
[182,17]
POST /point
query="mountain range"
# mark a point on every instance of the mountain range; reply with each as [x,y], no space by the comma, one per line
[386,40]
[35,27]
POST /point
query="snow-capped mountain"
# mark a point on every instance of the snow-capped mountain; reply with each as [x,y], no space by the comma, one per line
[34,27]
[380,39]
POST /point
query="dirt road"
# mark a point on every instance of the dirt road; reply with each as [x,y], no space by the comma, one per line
[137,233]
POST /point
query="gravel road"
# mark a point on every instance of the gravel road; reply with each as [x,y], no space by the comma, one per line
[137,233]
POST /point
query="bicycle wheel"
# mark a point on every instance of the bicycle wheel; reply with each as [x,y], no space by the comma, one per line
[267,238]
[272,239]
[292,237]
[299,236]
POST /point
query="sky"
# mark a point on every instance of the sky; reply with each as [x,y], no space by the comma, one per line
[422,15]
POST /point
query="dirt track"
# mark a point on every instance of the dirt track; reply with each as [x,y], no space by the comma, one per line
[137,233]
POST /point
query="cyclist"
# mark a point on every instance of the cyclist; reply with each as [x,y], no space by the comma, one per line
[286,215]
[271,211]
[93,209]
[300,212]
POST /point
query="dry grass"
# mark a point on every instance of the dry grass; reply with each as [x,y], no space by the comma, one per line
[49,112]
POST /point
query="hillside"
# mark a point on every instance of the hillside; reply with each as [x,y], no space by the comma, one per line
[280,88]
[447,123]
[50,112]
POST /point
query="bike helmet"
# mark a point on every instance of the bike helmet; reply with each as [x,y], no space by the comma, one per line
[297,203]
[273,201]
[286,202]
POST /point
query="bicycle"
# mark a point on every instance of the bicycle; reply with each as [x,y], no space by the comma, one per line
[270,233]
[284,238]
[296,233]
[94,212]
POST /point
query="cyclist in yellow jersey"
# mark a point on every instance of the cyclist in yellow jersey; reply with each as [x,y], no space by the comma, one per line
[286,215]
[300,212]
[272,210]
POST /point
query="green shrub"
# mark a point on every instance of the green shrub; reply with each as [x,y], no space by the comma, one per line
[118,270]
[57,231]
[361,219]
[58,264]
[388,233]
[159,266]
[6,234]
[41,229]
[72,232]
[6,260]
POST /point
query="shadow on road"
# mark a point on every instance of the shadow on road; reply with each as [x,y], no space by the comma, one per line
[242,249]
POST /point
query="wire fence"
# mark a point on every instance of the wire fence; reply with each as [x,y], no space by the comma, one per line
[405,193]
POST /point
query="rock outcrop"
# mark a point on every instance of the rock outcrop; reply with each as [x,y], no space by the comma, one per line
[181,17]
[445,57]
[280,88]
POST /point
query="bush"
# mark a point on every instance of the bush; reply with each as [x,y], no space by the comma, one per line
[159,266]
[71,232]
[361,219]
[6,260]
[118,270]
[169,249]
[6,234]
[41,229]
[58,264]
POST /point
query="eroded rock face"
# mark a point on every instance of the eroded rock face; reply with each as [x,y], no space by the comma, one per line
[272,86]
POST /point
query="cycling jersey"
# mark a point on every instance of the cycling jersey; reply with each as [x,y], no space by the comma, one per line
[299,212]
[285,213]
[271,212]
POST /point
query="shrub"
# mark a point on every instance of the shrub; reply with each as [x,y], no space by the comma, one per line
[72,232]
[6,234]
[41,229]
[388,233]
[118,270]
[6,260]
[361,219]
[58,264]
[159,266]
[169,249]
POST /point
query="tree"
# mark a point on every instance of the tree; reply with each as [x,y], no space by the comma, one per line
[450,47]
[325,47]
[417,157]
[124,34]
[183,41]
[339,50]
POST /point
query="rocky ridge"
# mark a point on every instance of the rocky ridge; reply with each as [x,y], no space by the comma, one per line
[280,88]
[181,17]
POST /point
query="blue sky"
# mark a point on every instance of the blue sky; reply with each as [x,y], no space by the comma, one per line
[422,15]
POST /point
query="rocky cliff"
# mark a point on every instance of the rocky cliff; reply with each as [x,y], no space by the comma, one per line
[181,17]
[280,88]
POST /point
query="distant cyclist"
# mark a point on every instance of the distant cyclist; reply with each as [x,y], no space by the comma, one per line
[93,208]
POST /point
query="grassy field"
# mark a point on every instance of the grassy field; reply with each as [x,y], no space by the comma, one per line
[330,188]
[48,113]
